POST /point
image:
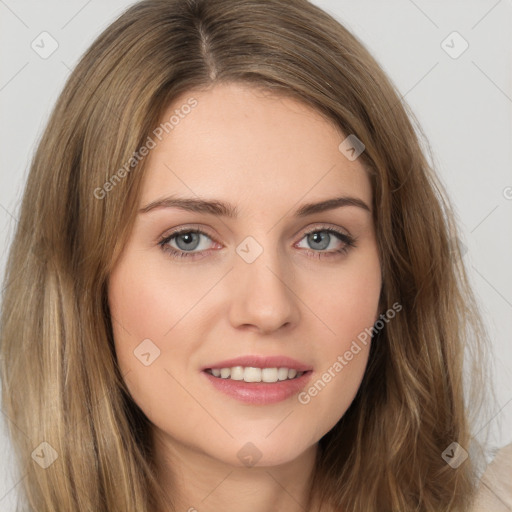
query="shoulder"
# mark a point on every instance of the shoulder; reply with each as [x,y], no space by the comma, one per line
[495,490]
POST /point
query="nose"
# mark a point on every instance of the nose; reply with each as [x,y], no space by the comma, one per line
[263,298]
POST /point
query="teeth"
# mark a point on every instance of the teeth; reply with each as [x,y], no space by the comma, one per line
[250,374]
[269,374]
[282,373]
[237,373]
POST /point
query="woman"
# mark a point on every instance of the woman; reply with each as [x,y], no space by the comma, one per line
[176,335]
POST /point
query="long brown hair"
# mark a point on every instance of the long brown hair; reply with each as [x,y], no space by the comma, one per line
[60,381]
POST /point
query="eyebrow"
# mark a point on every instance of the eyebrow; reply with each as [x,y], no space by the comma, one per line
[223,209]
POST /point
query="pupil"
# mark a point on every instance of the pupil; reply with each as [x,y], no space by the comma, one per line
[320,237]
[188,239]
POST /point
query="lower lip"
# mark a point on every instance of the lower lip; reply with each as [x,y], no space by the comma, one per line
[260,393]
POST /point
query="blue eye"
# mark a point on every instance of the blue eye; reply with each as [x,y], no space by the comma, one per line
[185,242]
[321,239]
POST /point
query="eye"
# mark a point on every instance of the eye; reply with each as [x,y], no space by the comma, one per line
[181,243]
[321,238]
[190,243]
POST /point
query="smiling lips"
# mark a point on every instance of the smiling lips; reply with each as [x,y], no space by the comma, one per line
[252,374]
[259,379]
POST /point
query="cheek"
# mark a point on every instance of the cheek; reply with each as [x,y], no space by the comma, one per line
[348,307]
[140,304]
[154,322]
[347,298]
[147,301]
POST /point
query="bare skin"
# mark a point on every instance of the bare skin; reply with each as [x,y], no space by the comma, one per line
[300,298]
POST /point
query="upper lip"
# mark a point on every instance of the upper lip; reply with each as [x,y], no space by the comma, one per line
[261,362]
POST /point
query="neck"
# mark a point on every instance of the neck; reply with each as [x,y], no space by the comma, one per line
[197,482]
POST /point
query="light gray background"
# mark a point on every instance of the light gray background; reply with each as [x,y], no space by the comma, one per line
[464,105]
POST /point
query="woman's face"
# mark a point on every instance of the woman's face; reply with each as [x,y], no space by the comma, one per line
[264,285]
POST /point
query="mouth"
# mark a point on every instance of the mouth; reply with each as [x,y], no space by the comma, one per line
[258,379]
[253,374]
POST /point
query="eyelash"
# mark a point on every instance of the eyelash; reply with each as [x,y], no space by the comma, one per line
[348,240]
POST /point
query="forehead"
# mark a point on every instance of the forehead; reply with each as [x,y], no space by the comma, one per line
[239,142]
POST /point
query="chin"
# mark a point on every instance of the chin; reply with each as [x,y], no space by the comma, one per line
[265,453]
